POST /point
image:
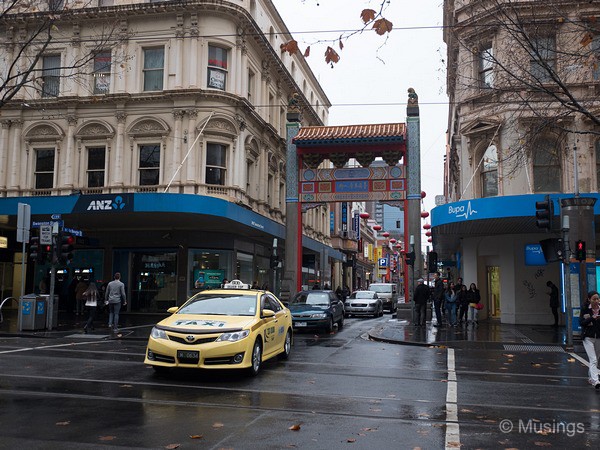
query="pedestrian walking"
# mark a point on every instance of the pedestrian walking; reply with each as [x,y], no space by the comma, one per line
[553,300]
[450,296]
[115,296]
[589,319]
[462,303]
[420,297]
[474,298]
[92,299]
[80,288]
[438,297]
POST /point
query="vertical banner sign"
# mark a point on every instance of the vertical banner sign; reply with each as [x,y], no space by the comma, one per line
[356,225]
[344,217]
[331,223]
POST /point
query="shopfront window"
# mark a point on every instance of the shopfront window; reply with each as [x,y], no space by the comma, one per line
[244,269]
[208,269]
[153,281]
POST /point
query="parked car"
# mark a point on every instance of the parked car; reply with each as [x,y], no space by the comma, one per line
[388,293]
[316,309]
[230,328]
[364,303]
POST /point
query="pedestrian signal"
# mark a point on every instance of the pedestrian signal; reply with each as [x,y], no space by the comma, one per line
[580,250]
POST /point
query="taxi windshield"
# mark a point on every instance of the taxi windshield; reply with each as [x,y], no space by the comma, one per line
[220,305]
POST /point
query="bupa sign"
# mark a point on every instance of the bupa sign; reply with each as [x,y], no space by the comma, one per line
[104,203]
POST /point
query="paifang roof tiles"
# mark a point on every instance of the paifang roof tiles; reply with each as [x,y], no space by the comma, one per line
[383,131]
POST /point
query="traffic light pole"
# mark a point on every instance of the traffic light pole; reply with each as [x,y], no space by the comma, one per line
[567,282]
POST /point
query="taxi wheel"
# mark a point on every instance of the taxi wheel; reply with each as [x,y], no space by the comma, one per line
[287,346]
[256,359]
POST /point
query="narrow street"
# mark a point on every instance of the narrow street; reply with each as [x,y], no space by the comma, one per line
[335,391]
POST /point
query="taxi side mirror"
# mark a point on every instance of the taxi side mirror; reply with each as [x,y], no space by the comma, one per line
[266,313]
[172,309]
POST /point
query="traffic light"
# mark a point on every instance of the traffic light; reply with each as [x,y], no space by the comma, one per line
[66,242]
[409,258]
[580,250]
[34,249]
[274,262]
[544,213]
[552,249]
[432,262]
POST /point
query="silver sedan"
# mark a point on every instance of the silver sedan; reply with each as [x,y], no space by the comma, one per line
[363,303]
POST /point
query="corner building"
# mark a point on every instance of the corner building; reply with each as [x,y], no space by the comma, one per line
[165,149]
[513,139]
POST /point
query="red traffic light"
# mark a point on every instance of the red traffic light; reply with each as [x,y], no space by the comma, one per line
[580,251]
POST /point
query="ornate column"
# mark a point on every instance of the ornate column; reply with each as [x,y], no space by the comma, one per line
[4,152]
[238,64]
[74,81]
[117,166]
[67,167]
[120,82]
[264,95]
[194,33]
[191,165]
[15,155]
[172,163]
[179,34]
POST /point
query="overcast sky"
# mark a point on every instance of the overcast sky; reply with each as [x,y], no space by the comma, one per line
[370,83]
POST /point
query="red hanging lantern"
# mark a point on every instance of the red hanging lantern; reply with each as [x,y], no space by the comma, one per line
[364,215]
[386,234]
[377,227]
[427,227]
[423,194]
[429,240]
[392,240]
[428,234]
[398,245]
[424,214]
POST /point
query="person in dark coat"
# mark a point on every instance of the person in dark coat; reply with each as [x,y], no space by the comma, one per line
[420,297]
[554,303]
[589,319]
[438,297]
[462,302]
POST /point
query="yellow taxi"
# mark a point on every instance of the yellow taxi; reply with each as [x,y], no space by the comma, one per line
[230,328]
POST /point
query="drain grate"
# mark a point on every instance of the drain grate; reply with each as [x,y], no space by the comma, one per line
[534,348]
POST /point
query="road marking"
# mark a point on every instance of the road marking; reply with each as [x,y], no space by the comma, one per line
[28,349]
[580,359]
[452,427]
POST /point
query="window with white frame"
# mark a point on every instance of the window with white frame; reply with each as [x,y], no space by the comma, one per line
[216,164]
[44,168]
[251,84]
[546,166]
[217,67]
[96,166]
[50,75]
[489,172]
[486,68]
[154,63]
[149,164]
[102,63]
[543,58]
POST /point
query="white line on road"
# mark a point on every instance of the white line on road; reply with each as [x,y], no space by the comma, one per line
[580,359]
[28,349]
[452,427]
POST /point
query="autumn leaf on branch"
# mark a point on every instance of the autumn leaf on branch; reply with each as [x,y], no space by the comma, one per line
[307,52]
[341,44]
[382,26]
[331,56]
[367,15]
[290,46]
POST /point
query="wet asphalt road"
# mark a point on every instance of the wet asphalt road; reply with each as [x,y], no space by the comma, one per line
[337,391]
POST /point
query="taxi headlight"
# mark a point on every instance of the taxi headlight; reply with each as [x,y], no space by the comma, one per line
[233,337]
[157,333]
[318,316]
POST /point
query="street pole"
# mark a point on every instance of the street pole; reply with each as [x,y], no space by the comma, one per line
[567,282]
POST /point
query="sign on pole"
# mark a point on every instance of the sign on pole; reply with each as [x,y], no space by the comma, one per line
[23,222]
[46,235]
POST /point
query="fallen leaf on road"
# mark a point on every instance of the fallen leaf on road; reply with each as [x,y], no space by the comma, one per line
[171,446]
[464,410]
[351,440]
[126,386]
[543,444]
[571,360]
[107,438]
[295,427]
[508,355]
[218,425]
[536,365]
[66,422]
[196,436]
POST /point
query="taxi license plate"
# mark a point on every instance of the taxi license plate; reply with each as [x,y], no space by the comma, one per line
[300,324]
[188,355]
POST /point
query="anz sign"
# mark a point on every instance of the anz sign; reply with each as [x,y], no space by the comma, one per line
[104,203]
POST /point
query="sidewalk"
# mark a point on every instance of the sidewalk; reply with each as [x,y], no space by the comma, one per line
[487,335]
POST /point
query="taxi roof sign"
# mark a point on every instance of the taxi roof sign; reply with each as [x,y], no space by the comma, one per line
[236,284]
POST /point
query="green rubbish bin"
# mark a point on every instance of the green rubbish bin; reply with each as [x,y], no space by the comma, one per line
[32,312]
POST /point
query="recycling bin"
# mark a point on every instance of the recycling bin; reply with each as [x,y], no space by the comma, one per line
[32,312]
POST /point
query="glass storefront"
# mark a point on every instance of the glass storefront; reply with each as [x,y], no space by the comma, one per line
[153,281]
[208,269]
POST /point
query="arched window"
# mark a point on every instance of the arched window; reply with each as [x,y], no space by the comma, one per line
[489,172]
[546,166]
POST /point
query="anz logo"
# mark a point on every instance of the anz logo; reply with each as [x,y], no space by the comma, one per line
[461,211]
[107,205]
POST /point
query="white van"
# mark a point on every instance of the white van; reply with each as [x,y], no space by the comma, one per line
[388,292]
